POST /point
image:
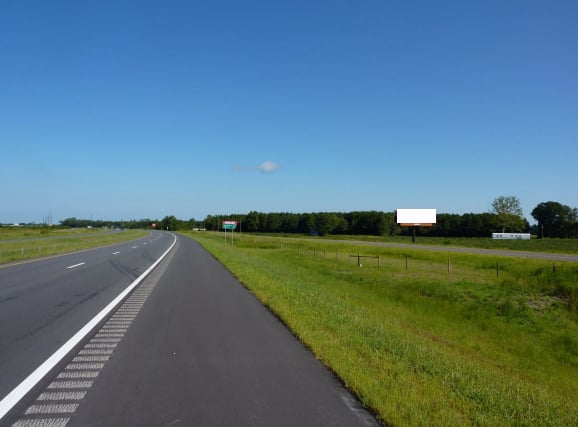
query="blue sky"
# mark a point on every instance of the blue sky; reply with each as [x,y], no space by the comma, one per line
[129,110]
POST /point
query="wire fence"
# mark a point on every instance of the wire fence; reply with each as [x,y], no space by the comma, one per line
[409,263]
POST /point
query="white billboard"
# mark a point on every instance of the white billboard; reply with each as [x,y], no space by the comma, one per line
[416,217]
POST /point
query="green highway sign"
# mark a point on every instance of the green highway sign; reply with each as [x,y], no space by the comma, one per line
[229,225]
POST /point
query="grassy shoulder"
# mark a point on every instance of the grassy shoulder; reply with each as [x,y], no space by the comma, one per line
[29,243]
[427,343]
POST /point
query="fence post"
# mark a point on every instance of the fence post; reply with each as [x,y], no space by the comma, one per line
[497,268]
[406,263]
[448,265]
[378,266]
[358,260]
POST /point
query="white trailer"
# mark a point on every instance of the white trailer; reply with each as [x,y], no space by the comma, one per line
[511,236]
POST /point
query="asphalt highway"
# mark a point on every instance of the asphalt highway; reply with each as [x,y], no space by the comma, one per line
[192,347]
[44,303]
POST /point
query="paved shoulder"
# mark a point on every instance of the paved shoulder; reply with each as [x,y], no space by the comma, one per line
[203,351]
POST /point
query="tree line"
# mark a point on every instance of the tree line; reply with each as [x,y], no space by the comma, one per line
[167,223]
[372,223]
[554,219]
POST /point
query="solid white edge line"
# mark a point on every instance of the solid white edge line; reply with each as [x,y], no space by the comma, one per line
[12,398]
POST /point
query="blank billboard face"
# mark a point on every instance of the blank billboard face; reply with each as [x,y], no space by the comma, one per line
[410,217]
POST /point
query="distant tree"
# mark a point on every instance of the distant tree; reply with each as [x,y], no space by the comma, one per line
[251,223]
[169,223]
[289,222]
[326,223]
[213,222]
[306,223]
[342,226]
[379,221]
[555,219]
[78,223]
[69,222]
[391,227]
[509,212]
[448,225]
[368,222]
[272,223]
[471,225]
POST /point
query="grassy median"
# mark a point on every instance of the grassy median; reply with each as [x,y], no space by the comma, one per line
[425,338]
[23,243]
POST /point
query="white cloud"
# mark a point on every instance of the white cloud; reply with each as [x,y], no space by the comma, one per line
[265,167]
[268,167]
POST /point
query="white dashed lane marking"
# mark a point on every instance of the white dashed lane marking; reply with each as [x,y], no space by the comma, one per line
[75,265]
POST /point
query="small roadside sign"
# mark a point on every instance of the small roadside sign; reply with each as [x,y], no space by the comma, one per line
[229,225]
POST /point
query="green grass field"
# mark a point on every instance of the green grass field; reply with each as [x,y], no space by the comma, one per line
[23,243]
[427,338]
[567,246]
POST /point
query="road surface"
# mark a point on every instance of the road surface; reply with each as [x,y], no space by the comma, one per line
[44,303]
[191,346]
